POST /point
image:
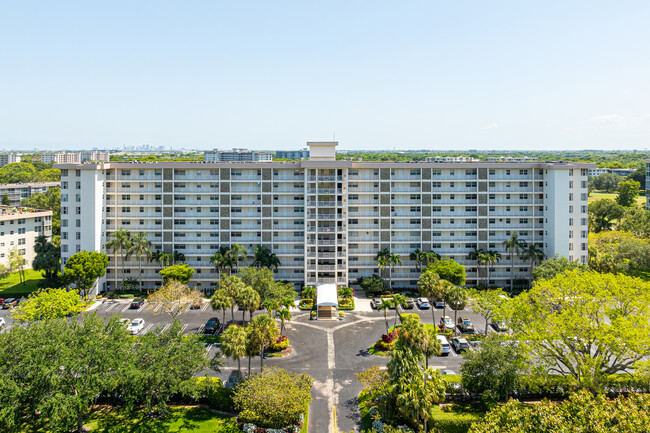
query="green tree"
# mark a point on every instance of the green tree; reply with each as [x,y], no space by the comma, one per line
[259,401]
[6,201]
[628,191]
[607,182]
[119,243]
[48,175]
[534,254]
[284,314]
[222,261]
[17,263]
[450,270]
[488,304]
[481,258]
[553,266]
[141,247]
[457,297]
[233,285]
[603,213]
[419,258]
[262,280]
[48,257]
[636,221]
[430,285]
[308,292]
[17,172]
[247,299]
[84,268]
[514,247]
[221,300]
[182,273]
[174,298]
[233,344]
[164,364]
[238,254]
[46,304]
[264,258]
[262,331]
[603,310]
[494,369]
[383,307]
[49,200]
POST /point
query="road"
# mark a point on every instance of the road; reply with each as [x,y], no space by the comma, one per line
[330,351]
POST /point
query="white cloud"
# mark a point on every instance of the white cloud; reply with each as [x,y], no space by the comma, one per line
[492,126]
[607,120]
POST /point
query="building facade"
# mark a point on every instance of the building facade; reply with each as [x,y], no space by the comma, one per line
[326,219]
[18,191]
[293,154]
[8,158]
[19,228]
[597,171]
[236,155]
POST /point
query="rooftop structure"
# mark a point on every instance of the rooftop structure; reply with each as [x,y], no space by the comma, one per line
[238,155]
[19,228]
[19,191]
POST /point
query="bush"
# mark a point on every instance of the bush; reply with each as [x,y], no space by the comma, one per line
[341,314]
[384,346]
[306,304]
[404,316]
[281,343]
[372,286]
[346,304]
[221,399]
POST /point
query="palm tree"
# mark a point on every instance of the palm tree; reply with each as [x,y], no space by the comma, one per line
[419,258]
[457,296]
[177,257]
[431,257]
[393,260]
[345,292]
[480,257]
[273,262]
[120,243]
[385,259]
[221,300]
[513,246]
[238,253]
[260,256]
[534,254]
[140,246]
[431,286]
[262,331]
[399,301]
[430,345]
[284,314]
[247,300]
[233,285]
[384,307]
[221,260]
[308,292]
[233,344]
[383,263]
[271,306]
[491,257]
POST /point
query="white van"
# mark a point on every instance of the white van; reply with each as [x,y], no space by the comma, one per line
[444,344]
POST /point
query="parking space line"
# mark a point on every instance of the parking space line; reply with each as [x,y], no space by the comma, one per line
[125,308]
[205,307]
[165,328]
[149,326]
[198,331]
[110,307]
[158,307]
[184,328]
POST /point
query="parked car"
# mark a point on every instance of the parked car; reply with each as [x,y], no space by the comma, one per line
[448,372]
[465,325]
[444,345]
[376,303]
[135,326]
[124,322]
[446,323]
[137,303]
[9,303]
[459,344]
[212,326]
[409,304]
[499,325]
[423,303]
[439,304]
[2,322]
[391,303]
[196,306]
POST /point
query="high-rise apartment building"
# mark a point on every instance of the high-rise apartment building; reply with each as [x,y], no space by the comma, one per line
[327,219]
[19,228]
[236,155]
[292,154]
[8,158]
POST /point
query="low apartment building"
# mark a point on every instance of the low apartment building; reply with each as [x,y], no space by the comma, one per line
[18,191]
[327,219]
[8,158]
[236,155]
[19,228]
[292,154]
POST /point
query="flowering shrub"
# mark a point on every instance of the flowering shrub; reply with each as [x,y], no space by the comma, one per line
[281,343]
[390,337]
[306,304]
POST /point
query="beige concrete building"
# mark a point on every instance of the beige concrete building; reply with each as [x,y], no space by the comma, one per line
[19,228]
[18,191]
[327,219]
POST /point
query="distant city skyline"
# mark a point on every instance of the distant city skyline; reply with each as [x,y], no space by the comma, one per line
[271,76]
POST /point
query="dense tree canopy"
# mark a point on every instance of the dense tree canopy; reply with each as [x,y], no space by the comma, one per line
[84,268]
[607,182]
[450,270]
[48,304]
[628,191]
[182,273]
[603,213]
[555,265]
[50,200]
[17,172]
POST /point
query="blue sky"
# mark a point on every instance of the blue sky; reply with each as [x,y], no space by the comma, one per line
[273,75]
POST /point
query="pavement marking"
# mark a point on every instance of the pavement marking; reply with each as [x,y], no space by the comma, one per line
[158,307]
[94,305]
[331,355]
[111,306]
[125,308]
[184,328]
[198,331]
[205,307]
[165,328]
[335,428]
[146,329]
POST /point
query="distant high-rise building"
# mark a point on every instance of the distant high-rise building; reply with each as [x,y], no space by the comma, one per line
[236,155]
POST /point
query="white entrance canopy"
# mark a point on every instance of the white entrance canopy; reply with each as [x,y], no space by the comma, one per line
[326,295]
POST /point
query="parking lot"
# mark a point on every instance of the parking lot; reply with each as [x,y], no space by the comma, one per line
[331,352]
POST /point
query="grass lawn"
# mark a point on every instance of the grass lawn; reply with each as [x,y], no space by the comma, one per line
[181,419]
[10,287]
[595,196]
[305,424]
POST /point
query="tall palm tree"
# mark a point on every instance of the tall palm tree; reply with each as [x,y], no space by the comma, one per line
[535,255]
[238,253]
[382,264]
[384,308]
[284,314]
[398,301]
[386,259]
[431,257]
[273,262]
[419,258]
[177,257]
[221,300]
[457,296]
[309,292]
[480,257]
[119,243]
[431,345]
[262,331]
[491,257]
[219,260]
[514,247]
[431,286]
[141,247]
[233,344]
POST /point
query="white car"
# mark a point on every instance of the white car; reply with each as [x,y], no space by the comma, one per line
[446,322]
[135,326]
[444,345]
[2,322]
